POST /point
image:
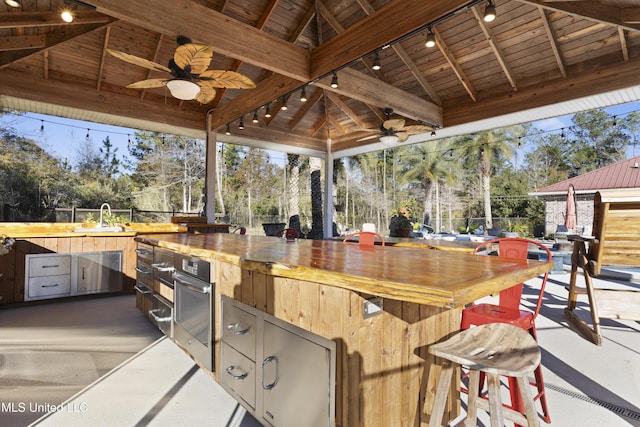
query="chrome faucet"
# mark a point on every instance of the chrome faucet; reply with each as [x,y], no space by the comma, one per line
[102,224]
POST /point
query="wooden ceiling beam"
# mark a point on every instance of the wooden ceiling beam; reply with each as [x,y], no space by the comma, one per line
[312,99]
[624,46]
[553,42]
[347,110]
[367,89]
[73,95]
[22,42]
[53,38]
[47,19]
[590,10]
[453,63]
[392,21]
[277,136]
[583,80]
[497,52]
[204,25]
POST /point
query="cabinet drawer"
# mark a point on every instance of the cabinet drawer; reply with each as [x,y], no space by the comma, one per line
[238,375]
[239,329]
[144,273]
[145,253]
[49,265]
[48,287]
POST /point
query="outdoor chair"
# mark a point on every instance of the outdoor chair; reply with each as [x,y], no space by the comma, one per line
[508,310]
[288,233]
[365,238]
[616,228]
[240,230]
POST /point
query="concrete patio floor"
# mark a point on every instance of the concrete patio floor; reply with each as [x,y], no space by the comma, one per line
[100,362]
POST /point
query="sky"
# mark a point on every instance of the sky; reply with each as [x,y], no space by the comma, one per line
[65,138]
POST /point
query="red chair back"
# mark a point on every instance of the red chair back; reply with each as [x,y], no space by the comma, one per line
[365,238]
[288,233]
[517,248]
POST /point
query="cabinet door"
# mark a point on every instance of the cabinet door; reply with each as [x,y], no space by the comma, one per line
[99,272]
[297,379]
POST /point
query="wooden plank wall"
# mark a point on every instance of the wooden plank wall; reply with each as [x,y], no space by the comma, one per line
[12,265]
[384,376]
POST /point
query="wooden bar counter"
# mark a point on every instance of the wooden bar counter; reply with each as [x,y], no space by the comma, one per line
[384,376]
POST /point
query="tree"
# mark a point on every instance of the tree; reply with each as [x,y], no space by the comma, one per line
[317,226]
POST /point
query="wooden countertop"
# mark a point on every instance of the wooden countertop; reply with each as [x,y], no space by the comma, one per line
[425,276]
[28,230]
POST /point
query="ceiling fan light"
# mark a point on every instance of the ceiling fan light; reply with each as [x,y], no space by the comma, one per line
[67,16]
[13,3]
[489,12]
[183,89]
[389,140]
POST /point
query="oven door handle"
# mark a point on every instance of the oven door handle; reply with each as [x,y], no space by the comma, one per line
[200,289]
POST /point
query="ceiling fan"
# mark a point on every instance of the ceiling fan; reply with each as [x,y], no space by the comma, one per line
[394,130]
[190,78]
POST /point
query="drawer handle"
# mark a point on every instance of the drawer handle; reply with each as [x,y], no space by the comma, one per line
[143,271]
[157,318]
[50,286]
[233,328]
[160,267]
[51,266]
[264,363]
[241,376]
[142,289]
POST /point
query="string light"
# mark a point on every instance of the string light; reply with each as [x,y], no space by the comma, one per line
[41,126]
[87,135]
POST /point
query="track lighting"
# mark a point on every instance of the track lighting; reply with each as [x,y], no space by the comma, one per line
[284,104]
[303,95]
[267,112]
[334,81]
[255,116]
[13,3]
[431,39]
[489,12]
[376,61]
[228,130]
[241,124]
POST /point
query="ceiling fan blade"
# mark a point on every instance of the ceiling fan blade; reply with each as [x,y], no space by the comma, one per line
[402,136]
[206,94]
[136,60]
[366,138]
[416,129]
[227,79]
[148,84]
[395,124]
[193,55]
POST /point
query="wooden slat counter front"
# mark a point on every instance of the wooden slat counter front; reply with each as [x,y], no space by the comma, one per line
[384,376]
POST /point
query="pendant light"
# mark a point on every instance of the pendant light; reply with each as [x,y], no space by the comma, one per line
[489,12]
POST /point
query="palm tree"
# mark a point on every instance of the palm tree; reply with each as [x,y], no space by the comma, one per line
[293,166]
[485,150]
[428,164]
[317,229]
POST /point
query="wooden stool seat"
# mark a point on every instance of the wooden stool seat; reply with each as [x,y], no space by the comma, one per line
[496,349]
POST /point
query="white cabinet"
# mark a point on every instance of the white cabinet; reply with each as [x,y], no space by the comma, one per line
[282,374]
[62,275]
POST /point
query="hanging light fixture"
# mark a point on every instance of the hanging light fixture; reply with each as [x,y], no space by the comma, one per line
[183,89]
[255,116]
[67,16]
[41,125]
[267,112]
[13,3]
[431,39]
[284,107]
[489,12]
[303,95]
[228,130]
[87,135]
[376,62]
[334,81]
[241,124]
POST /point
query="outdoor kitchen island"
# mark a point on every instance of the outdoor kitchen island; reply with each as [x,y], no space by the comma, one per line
[383,374]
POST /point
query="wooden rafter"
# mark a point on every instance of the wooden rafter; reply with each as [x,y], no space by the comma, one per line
[105,43]
[312,99]
[552,41]
[594,11]
[497,52]
[453,63]
[47,19]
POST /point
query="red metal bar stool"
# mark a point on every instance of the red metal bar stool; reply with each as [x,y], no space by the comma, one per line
[508,310]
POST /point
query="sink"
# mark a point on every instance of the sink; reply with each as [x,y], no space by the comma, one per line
[113,229]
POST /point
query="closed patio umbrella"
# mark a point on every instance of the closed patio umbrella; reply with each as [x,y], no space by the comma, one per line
[570,215]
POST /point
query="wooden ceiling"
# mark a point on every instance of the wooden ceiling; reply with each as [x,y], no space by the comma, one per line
[536,53]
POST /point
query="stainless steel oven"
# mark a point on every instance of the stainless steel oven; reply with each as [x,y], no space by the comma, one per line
[193,308]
